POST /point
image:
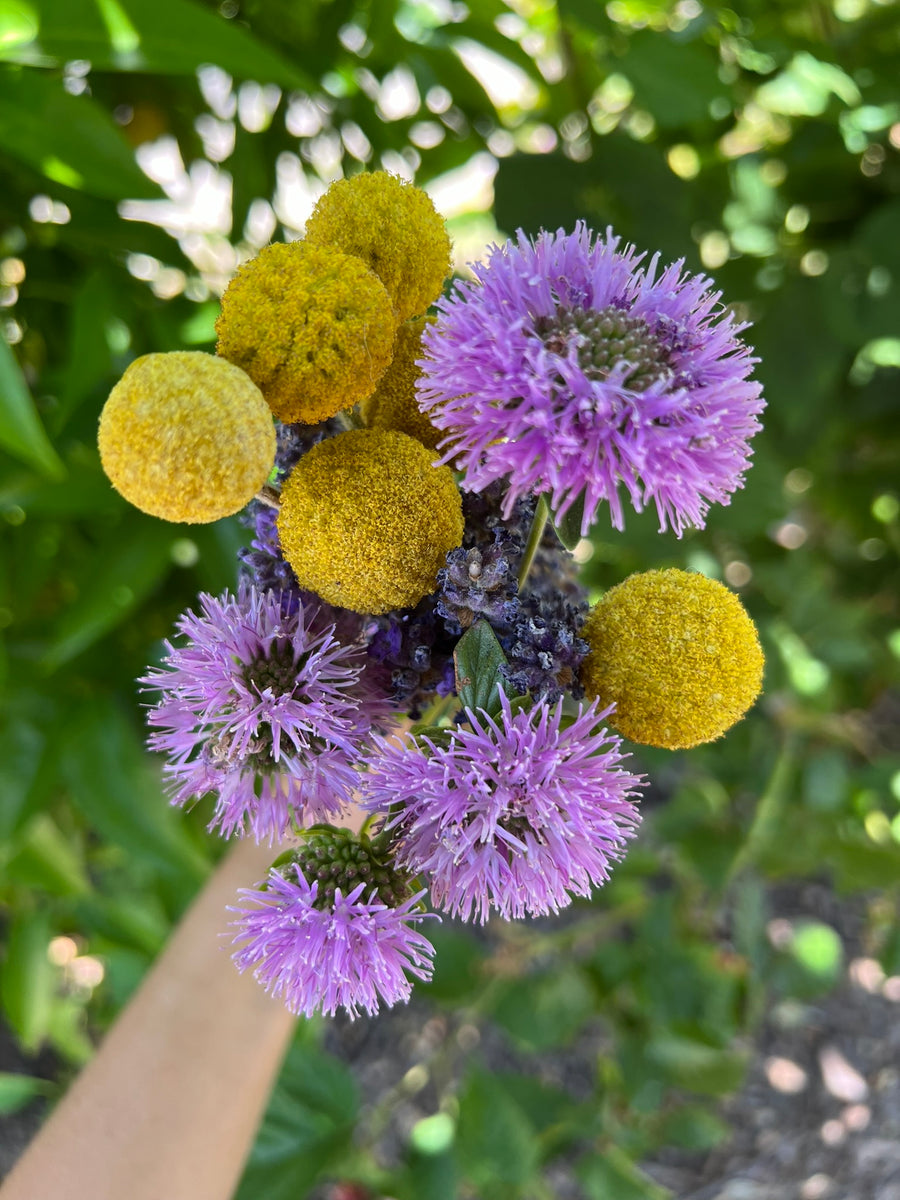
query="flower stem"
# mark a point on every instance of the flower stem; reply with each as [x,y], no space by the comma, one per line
[270,496]
[349,419]
[769,813]
[538,525]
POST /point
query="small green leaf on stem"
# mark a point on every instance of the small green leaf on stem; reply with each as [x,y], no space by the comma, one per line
[478,658]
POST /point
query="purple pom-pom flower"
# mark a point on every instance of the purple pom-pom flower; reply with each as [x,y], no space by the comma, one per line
[514,814]
[264,707]
[569,368]
[346,953]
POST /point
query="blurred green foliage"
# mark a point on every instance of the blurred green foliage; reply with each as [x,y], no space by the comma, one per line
[758,141]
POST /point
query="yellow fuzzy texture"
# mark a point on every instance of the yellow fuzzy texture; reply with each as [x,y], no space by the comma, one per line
[312,327]
[394,228]
[366,521]
[187,437]
[393,403]
[677,654]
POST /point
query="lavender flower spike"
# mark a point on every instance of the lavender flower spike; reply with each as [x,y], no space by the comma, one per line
[513,814]
[264,707]
[346,953]
[568,368]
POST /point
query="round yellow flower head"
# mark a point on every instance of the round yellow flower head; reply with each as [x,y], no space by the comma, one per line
[187,437]
[393,227]
[678,655]
[312,327]
[393,403]
[366,521]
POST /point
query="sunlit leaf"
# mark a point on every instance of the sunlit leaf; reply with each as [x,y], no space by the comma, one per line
[804,88]
[161,36]
[69,139]
[18,25]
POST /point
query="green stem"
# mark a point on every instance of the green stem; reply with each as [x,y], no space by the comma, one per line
[381,843]
[269,495]
[538,525]
[349,418]
[769,810]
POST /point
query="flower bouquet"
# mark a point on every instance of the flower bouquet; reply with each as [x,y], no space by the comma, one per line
[408,636]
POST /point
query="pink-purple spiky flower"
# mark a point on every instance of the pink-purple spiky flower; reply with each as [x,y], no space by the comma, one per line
[569,368]
[264,707]
[515,814]
[348,951]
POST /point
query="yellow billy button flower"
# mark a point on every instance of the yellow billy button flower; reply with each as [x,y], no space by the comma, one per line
[394,228]
[187,437]
[312,327]
[678,655]
[393,403]
[366,520]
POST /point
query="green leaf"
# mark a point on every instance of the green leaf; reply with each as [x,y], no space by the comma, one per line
[17,1090]
[18,25]
[126,568]
[805,87]
[497,1143]
[28,982]
[164,37]
[545,1011]
[21,432]
[556,1117]
[67,1034]
[307,1128]
[478,659]
[48,861]
[613,1176]
[457,977]
[675,81]
[695,1066]
[21,747]
[117,788]
[433,1175]
[89,358]
[132,922]
[69,139]
[626,184]
[693,1127]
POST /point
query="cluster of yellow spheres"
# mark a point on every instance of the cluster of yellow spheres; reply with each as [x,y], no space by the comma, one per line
[307,330]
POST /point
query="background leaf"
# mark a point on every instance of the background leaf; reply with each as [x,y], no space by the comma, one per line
[21,432]
[165,36]
[307,1128]
[68,139]
[27,984]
